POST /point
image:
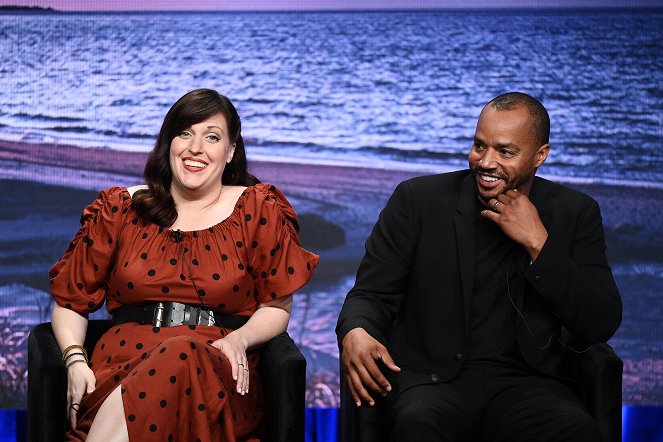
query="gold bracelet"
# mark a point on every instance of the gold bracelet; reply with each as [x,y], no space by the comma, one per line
[74,362]
[74,354]
[71,347]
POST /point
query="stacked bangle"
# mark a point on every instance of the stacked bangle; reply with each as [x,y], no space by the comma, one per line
[71,347]
[81,352]
[74,354]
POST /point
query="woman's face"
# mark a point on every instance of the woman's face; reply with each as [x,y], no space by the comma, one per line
[198,156]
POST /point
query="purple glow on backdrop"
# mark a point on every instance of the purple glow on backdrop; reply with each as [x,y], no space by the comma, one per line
[267,5]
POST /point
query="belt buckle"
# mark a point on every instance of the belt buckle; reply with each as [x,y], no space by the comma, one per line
[202,317]
[205,317]
[157,320]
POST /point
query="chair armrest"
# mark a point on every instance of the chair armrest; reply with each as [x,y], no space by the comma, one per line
[601,375]
[282,368]
[47,386]
[47,380]
[360,424]
[283,371]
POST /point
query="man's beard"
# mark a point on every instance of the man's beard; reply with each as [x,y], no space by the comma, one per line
[509,183]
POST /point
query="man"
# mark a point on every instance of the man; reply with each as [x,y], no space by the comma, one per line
[475,288]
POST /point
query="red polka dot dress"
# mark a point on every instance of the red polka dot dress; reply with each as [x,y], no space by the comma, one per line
[174,384]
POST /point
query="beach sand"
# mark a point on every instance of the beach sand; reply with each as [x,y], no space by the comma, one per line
[45,187]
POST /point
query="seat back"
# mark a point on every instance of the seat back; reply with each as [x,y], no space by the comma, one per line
[599,371]
[282,368]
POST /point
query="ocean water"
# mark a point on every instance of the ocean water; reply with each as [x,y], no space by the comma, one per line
[379,89]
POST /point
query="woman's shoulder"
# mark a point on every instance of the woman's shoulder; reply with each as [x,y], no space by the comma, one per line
[111,196]
[110,204]
[261,193]
[265,189]
[268,200]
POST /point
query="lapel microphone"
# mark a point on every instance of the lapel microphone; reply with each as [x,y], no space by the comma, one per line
[176,236]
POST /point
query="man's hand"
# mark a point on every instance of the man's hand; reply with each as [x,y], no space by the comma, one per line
[515,214]
[360,351]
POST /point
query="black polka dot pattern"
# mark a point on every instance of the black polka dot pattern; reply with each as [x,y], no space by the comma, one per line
[247,259]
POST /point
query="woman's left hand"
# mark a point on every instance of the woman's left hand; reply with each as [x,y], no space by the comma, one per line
[234,348]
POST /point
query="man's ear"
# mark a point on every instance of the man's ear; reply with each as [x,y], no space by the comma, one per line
[541,155]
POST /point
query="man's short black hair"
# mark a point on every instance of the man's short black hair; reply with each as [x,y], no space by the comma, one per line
[538,114]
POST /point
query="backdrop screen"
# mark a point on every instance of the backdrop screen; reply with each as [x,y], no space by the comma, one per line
[337,109]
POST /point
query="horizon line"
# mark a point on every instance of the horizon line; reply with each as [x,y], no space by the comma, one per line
[12,8]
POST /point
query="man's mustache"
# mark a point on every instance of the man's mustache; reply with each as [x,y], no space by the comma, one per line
[493,172]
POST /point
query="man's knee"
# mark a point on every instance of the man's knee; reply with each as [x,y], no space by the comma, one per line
[421,420]
[571,425]
[583,427]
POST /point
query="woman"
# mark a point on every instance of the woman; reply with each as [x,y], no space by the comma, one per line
[198,252]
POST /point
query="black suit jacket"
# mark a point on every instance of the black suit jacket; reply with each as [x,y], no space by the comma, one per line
[414,285]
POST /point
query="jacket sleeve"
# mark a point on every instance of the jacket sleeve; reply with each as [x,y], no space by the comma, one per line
[384,273]
[576,281]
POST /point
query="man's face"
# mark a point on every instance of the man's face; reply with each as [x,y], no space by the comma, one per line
[504,154]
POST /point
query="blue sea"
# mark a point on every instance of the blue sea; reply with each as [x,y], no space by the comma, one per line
[375,89]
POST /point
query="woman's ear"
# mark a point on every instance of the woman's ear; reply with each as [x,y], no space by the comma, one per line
[231,152]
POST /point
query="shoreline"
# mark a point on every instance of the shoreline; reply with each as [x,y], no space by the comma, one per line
[334,184]
[131,163]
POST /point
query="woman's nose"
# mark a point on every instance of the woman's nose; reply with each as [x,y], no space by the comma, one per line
[196,145]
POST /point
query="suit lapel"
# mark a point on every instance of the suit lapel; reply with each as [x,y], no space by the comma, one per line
[465,225]
[538,198]
[543,206]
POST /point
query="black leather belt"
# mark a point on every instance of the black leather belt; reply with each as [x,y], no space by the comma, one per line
[170,314]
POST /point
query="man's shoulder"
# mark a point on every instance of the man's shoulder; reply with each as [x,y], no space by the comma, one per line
[546,190]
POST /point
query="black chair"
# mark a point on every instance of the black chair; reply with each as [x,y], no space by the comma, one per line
[599,370]
[283,370]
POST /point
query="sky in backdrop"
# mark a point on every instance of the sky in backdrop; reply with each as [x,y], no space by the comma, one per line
[271,5]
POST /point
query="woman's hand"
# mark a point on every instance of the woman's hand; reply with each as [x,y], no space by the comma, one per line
[233,346]
[81,381]
[265,323]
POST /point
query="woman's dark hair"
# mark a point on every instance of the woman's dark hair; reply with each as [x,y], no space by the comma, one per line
[156,203]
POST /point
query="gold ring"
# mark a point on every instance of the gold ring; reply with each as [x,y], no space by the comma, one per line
[495,205]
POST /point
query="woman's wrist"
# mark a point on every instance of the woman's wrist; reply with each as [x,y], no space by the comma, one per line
[75,361]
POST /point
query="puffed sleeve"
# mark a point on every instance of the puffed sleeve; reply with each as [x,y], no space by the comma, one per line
[279,265]
[78,279]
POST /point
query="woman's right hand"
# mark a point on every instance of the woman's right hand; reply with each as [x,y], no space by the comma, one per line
[81,381]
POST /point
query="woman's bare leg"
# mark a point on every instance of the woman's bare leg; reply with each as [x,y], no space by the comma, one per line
[109,424]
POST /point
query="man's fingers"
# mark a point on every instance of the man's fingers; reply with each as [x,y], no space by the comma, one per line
[375,379]
[372,377]
[360,391]
[493,216]
[353,392]
[388,360]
